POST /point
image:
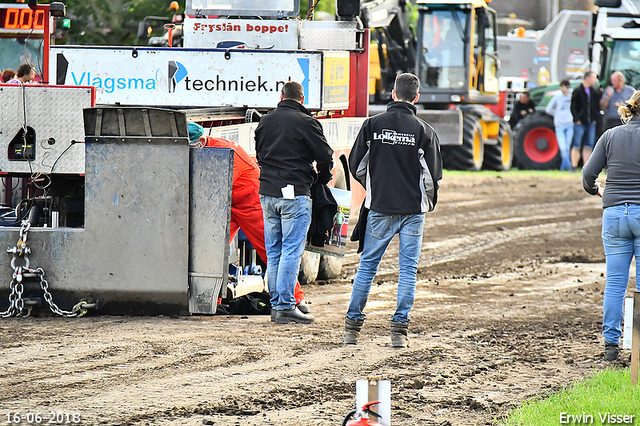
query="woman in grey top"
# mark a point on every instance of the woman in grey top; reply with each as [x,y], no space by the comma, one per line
[618,150]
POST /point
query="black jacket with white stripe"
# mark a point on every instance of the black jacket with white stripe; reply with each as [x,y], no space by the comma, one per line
[396,157]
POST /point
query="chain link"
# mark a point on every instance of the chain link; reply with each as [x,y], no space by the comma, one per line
[16,302]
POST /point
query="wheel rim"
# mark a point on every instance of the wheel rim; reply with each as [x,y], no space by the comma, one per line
[478,153]
[540,145]
[506,149]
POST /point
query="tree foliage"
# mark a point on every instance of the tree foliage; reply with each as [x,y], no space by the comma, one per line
[110,22]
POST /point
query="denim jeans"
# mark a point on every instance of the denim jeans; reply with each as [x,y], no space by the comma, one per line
[379,231]
[621,239]
[564,135]
[286,223]
[584,136]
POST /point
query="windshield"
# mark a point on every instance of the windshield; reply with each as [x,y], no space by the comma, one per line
[442,62]
[17,51]
[625,58]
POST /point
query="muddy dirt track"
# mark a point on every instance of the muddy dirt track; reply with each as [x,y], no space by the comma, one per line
[508,307]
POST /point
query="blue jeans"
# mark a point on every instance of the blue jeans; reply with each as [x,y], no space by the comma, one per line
[584,136]
[621,239]
[379,231]
[564,135]
[286,223]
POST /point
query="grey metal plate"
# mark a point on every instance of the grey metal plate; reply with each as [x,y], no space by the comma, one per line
[53,112]
[328,35]
[209,217]
[132,254]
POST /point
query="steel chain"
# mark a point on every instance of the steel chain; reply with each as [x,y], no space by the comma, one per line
[16,302]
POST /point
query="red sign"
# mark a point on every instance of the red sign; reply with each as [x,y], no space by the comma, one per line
[22,19]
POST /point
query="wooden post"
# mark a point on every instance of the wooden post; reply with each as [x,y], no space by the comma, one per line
[635,339]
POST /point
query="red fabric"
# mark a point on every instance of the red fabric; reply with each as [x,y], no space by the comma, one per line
[246,210]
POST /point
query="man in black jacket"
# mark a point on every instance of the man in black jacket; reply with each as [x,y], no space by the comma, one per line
[288,141]
[585,108]
[396,157]
[523,107]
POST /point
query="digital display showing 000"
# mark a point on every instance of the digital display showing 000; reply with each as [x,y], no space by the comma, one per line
[21,19]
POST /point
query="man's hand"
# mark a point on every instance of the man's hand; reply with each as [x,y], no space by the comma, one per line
[579,122]
[609,92]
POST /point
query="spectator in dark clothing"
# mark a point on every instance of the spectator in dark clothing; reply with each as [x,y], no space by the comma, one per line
[523,107]
[396,158]
[585,108]
[288,141]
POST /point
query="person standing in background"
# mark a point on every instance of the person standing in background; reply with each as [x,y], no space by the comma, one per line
[613,98]
[560,108]
[585,108]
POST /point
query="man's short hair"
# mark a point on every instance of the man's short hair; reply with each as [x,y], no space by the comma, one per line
[589,74]
[24,69]
[293,90]
[565,83]
[407,87]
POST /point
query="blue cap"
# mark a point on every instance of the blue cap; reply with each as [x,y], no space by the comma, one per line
[195,131]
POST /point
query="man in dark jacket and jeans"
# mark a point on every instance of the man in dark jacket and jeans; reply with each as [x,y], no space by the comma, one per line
[288,141]
[396,157]
[585,108]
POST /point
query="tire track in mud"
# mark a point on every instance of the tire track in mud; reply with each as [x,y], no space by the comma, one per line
[480,344]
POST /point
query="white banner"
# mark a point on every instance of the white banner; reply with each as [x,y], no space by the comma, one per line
[241,33]
[187,77]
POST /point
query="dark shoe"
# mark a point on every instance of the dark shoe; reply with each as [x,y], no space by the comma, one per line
[303,307]
[399,331]
[351,331]
[610,351]
[293,315]
[273,315]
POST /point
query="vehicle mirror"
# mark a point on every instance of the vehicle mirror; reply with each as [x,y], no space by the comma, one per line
[347,8]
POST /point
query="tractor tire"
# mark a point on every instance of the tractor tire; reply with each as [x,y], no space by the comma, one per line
[470,155]
[308,267]
[536,147]
[330,266]
[500,156]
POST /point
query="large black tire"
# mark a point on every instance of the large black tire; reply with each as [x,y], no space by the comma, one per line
[308,267]
[330,266]
[469,155]
[500,156]
[535,143]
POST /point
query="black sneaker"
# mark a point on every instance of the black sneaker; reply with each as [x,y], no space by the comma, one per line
[610,351]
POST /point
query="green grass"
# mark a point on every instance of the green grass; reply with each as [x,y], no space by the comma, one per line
[609,391]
